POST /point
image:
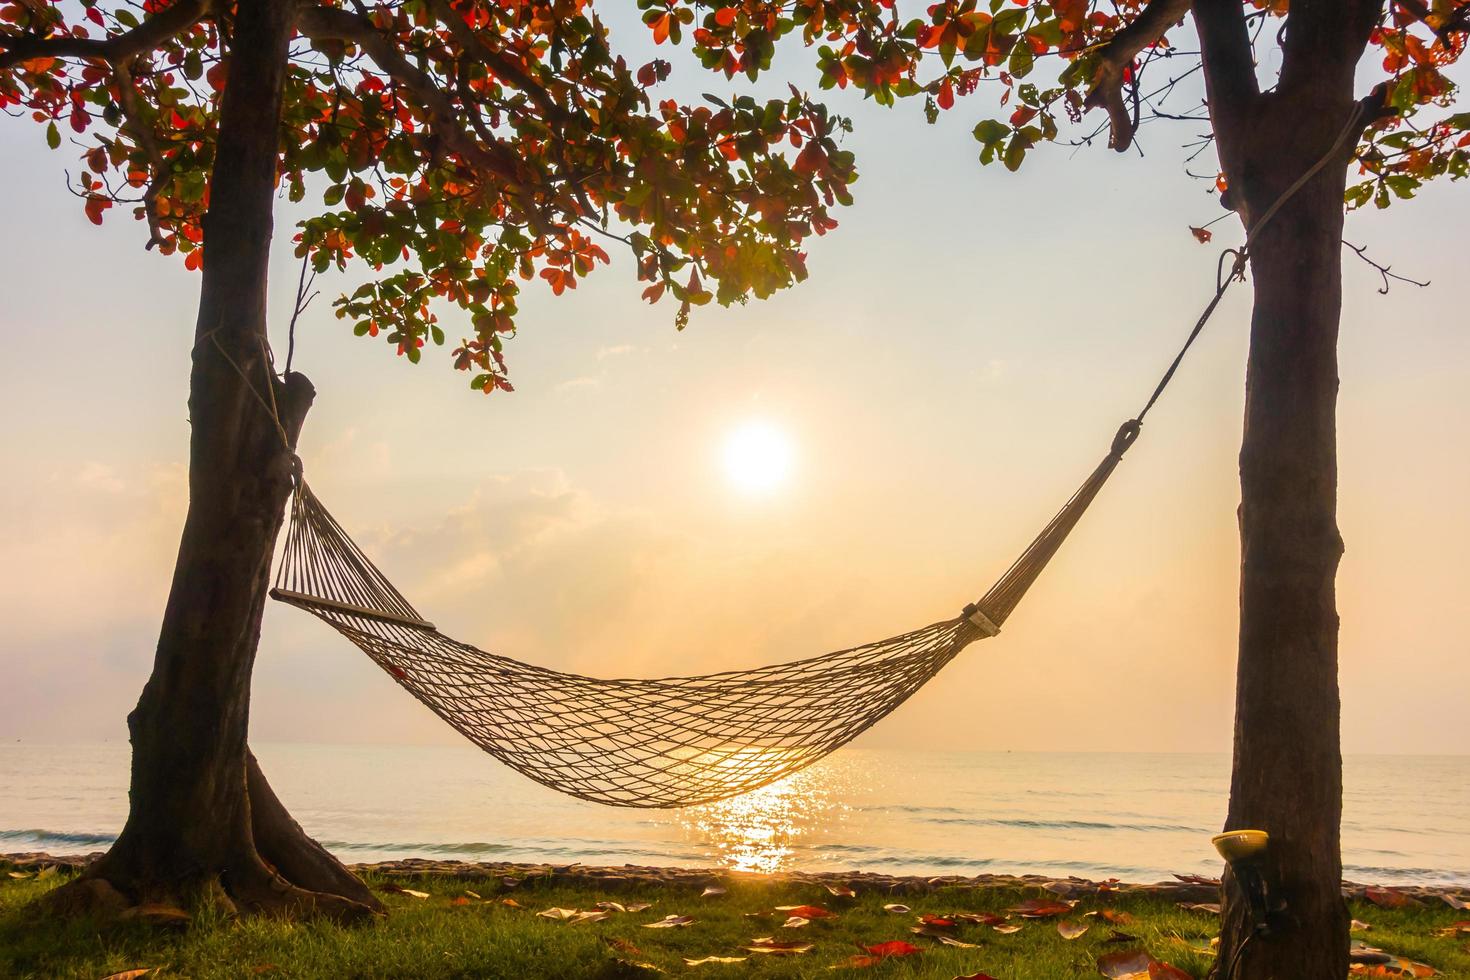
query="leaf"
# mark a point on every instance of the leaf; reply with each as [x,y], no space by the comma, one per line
[776,947]
[1158,970]
[53,135]
[511,903]
[1114,936]
[471,894]
[1357,925]
[638,906]
[840,891]
[20,875]
[158,915]
[796,922]
[1007,930]
[610,907]
[975,976]
[715,959]
[557,914]
[1209,908]
[130,974]
[807,911]
[978,918]
[597,916]
[1070,930]
[1127,964]
[1201,235]
[1200,879]
[895,909]
[894,947]
[1042,908]
[670,922]
[957,943]
[712,891]
[1455,903]
[937,921]
[1116,916]
[1389,898]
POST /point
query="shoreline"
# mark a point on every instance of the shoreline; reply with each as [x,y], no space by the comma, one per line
[512,874]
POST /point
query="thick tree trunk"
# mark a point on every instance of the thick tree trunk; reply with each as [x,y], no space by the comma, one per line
[203,824]
[1287,777]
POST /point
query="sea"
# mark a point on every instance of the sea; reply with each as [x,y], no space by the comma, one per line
[1137,817]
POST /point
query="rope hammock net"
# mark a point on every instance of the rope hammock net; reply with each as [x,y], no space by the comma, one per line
[667,742]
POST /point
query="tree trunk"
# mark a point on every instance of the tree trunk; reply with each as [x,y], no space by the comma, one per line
[1287,777]
[203,824]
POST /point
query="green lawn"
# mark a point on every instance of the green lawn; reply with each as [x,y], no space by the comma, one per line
[454,934]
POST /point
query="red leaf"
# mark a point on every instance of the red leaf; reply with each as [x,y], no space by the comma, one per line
[1201,235]
[894,947]
[725,16]
[805,911]
[1166,971]
[946,95]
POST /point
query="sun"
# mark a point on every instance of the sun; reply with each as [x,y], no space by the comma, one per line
[757,457]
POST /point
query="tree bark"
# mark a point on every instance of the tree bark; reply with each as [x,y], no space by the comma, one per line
[203,824]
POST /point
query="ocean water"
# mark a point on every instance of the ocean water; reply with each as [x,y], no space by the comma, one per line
[1134,816]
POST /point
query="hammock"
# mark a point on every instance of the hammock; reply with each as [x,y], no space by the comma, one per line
[668,742]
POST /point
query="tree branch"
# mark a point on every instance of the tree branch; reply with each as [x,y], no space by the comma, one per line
[1386,271]
[115,50]
[1117,54]
[333,24]
[1230,69]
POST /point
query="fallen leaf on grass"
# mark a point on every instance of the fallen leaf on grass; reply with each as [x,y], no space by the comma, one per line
[130,974]
[1007,930]
[1199,880]
[393,889]
[1453,929]
[47,872]
[1116,916]
[557,914]
[158,915]
[511,903]
[1070,930]
[1127,964]
[1209,908]
[840,891]
[894,947]
[670,922]
[978,918]
[897,909]
[1455,903]
[952,941]
[1042,908]
[470,894]
[715,959]
[1159,970]
[712,891]
[638,906]
[806,911]
[1358,925]
[796,922]
[623,946]
[937,921]
[461,900]
[975,976]
[776,947]
[1114,936]
[1390,898]
[597,916]
[1397,966]
[20,874]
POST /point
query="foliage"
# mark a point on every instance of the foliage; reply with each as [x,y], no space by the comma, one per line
[465,147]
[466,927]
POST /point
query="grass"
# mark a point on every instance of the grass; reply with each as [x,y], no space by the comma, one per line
[435,937]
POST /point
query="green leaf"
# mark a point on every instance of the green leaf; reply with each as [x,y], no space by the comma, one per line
[991,131]
[53,135]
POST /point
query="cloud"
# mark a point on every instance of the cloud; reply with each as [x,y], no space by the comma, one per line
[615,351]
[574,383]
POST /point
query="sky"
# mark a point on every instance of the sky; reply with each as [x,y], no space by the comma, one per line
[966,346]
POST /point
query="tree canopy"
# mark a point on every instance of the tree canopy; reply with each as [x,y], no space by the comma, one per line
[465,147]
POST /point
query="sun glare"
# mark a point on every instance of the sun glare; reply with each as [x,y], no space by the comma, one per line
[758,457]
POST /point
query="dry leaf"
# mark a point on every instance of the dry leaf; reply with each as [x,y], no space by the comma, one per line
[670,922]
[557,914]
[958,943]
[840,891]
[937,921]
[1070,930]
[897,909]
[1116,916]
[1158,970]
[623,946]
[715,959]
[1453,929]
[1455,903]
[894,947]
[1201,235]
[1114,936]
[638,906]
[796,922]
[1042,908]
[776,947]
[975,976]
[511,903]
[1389,898]
[1007,930]
[470,894]
[1209,908]
[1199,880]
[596,916]
[806,911]
[130,974]
[20,874]
[978,918]
[1358,925]
[712,891]
[1128,964]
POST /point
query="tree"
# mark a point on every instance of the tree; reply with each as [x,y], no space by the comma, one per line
[458,147]
[1310,122]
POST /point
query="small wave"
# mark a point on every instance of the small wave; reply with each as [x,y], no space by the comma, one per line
[43,839]
[1028,824]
